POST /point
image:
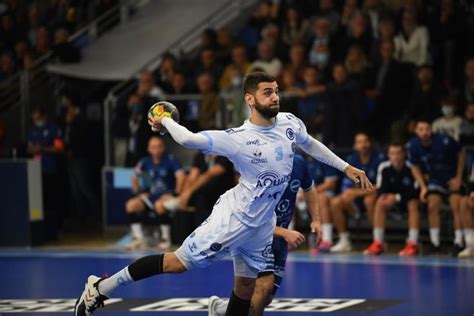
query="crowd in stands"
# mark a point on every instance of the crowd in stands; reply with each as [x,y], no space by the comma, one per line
[30,29]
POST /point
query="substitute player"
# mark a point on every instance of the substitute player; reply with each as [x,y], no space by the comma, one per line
[282,236]
[242,221]
[397,190]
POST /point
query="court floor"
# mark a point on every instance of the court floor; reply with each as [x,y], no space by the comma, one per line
[49,281]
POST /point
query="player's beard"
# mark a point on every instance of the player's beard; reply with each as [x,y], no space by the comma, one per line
[267,112]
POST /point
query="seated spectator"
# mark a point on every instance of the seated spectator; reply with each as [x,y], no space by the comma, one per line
[7,66]
[320,57]
[208,39]
[209,103]
[467,218]
[325,182]
[328,11]
[375,11]
[411,43]
[9,32]
[358,34]
[467,126]
[164,176]
[239,60]
[64,51]
[180,86]
[208,63]
[450,123]
[353,199]
[297,60]
[266,60]
[397,192]
[310,105]
[165,72]
[348,11]
[138,131]
[210,176]
[357,66]
[21,49]
[148,88]
[43,43]
[320,37]
[295,28]
[386,32]
[440,159]
[233,98]
[271,34]
[343,110]
[466,91]
[289,85]
[225,43]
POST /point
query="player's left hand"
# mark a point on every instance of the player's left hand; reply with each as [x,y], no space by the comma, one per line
[359,177]
[454,184]
[316,230]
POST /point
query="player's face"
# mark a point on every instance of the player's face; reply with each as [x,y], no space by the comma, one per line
[156,147]
[362,144]
[396,155]
[266,100]
[423,131]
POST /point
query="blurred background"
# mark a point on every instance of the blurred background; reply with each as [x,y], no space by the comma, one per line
[78,77]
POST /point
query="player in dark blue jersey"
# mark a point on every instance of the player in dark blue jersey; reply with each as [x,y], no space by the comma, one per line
[397,190]
[352,198]
[440,159]
[325,181]
[161,175]
[284,238]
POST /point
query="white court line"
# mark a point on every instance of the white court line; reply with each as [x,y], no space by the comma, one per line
[293,257]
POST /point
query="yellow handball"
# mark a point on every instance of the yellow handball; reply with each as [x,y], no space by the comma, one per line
[164,109]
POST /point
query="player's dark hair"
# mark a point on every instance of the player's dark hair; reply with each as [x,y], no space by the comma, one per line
[253,79]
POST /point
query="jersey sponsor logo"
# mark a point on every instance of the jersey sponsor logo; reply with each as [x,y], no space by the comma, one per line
[290,134]
[233,130]
[295,185]
[192,247]
[255,142]
[269,179]
[278,153]
[195,304]
[257,161]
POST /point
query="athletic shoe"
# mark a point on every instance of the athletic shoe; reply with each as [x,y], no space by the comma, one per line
[136,244]
[468,252]
[434,250]
[164,245]
[411,249]
[342,246]
[325,246]
[214,302]
[91,299]
[456,250]
[376,248]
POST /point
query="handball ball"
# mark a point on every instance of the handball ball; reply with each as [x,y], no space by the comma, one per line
[164,109]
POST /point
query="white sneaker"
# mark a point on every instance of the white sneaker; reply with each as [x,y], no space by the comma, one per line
[136,244]
[164,245]
[343,245]
[90,299]
[468,252]
[214,303]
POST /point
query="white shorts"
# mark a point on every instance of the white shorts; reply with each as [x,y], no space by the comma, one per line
[222,235]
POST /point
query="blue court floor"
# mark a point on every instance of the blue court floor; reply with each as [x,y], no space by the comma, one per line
[48,282]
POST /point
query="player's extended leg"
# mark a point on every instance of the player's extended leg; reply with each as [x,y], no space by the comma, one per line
[382,206]
[411,248]
[434,220]
[262,294]
[454,203]
[98,290]
[468,226]
[324,207]
[134,207]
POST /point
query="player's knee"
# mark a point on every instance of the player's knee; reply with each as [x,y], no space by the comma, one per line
[171,264]
[336,203]
[132,206]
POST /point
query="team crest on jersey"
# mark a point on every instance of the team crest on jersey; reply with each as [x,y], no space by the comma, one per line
[290,134]
[268,251]
[257,153]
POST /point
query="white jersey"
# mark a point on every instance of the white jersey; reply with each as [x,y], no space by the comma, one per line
[264,159]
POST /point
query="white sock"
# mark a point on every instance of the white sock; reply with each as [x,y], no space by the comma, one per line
[137,231]
[120,278]
[344,237]
[413,235]
[165,232]
[458,237]
[222,306]
[469,236]
[434,236]
[378,234]
[327,232]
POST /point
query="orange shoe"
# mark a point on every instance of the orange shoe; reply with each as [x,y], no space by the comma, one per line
[376,248]
[411,249]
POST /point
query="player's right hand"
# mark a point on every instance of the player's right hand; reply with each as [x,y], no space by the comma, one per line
[294,238]
[359,177]
[154,122]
